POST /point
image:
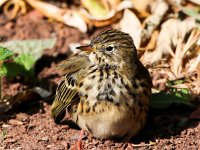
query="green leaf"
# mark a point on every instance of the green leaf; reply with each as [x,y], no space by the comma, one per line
[29,52]
[163,100]
[13,69]
[25,60]
[22,65]
[183,93]
[3,71]
[5,53]
[170,83]
[34,47]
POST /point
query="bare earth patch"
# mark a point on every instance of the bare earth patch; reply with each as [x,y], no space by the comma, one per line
[31,126]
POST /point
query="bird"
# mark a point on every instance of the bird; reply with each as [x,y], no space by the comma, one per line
[105,88]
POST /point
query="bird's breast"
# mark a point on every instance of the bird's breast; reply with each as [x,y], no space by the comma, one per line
[108,101]
[103,83]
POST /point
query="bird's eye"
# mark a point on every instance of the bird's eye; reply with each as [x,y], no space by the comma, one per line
[109,48]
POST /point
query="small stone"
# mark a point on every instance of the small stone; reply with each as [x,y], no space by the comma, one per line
[5,125]
[48,146]
[45,139]
[15,122]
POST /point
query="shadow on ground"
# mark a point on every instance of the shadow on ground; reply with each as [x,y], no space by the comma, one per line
[165,123]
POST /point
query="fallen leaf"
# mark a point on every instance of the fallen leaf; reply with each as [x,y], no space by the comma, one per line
[185,52]
[34,47]
[114,15]
[96,8]
[159,9]
[29,51]
[13,7]
[2,2]
[67,16]
[194,57]
[131,24]
[142,7]
[113,4]
[171,31]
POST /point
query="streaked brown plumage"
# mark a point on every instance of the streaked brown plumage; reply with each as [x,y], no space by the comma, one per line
[106,89]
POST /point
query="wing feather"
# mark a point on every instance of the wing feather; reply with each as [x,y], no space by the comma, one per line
[73,64]
[66,94]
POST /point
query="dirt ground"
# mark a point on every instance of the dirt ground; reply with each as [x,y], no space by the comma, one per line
[30,127]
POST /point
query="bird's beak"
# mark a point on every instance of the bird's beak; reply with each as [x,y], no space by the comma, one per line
[87,48]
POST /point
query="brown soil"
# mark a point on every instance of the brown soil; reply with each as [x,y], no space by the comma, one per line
[30,126]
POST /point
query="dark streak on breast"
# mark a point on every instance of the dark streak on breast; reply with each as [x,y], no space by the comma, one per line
[112,92]
[89,87]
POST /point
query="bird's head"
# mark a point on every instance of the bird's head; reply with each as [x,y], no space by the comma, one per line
[112,46]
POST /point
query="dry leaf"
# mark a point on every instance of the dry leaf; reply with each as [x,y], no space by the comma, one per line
[113,4]
[96,8]
[183,55]
[100,9]
[192,64]
[131,24]
[13,7]
[172,30]
[159,9]
[2,2]
[113,15]
[67,16]
[141,6]
[195,1]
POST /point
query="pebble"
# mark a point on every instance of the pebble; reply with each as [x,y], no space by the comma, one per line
[5,125]
[46,139]
[48,146]
[15,122]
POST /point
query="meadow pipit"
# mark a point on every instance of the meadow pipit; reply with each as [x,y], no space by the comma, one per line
[106,88]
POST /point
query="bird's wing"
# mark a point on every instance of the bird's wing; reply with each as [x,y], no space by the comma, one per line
[66,94]
[74,63]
